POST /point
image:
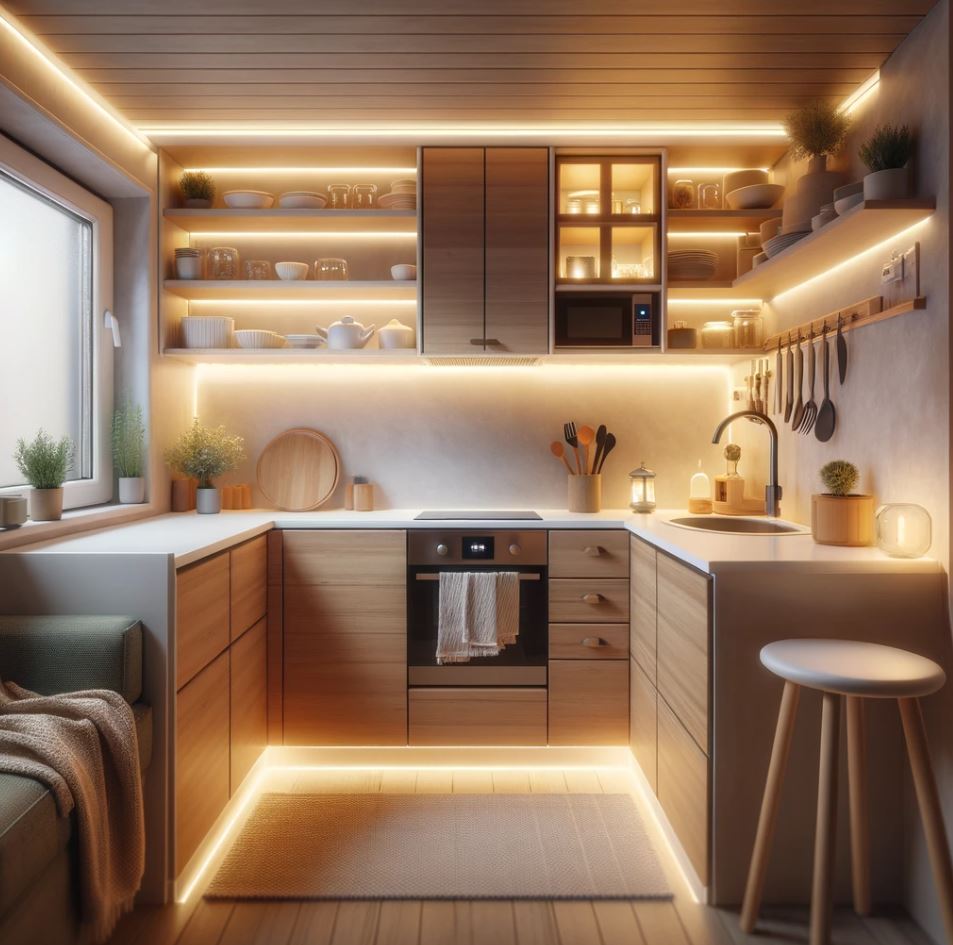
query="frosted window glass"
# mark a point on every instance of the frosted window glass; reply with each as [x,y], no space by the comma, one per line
[45,326]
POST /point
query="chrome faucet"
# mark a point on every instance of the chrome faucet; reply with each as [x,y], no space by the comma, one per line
[772,491]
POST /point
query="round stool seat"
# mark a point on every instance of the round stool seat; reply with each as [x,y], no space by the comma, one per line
[853,668]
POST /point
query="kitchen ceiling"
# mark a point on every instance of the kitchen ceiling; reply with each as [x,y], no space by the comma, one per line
[298,61]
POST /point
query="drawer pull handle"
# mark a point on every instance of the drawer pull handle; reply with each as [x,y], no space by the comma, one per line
[594,643]
[592,598]
[592,551]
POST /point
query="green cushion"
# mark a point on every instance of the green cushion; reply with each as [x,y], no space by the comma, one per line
[53,654]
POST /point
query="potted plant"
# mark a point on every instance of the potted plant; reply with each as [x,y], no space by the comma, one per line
[816,130]
[44,464]
[128,436]
[204,453]
[839,516]
[198,189]
[887,154]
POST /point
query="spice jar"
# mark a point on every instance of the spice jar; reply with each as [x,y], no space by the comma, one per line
[255,269]
[223,263]
[748,328]
[338,196]
[683,194]
[363,196]
[717,335]
[709,196]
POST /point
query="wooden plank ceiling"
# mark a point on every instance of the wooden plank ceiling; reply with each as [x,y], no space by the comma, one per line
[208,61]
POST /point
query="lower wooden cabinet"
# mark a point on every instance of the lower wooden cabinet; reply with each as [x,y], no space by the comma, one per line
[477,716]
[201,757]
[643,723]
[249,702]
[588,702]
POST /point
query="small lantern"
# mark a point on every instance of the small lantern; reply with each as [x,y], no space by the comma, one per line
[643,489]
[904,530]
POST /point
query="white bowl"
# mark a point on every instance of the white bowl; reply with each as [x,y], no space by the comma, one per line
[292,271]
[258,338]
[743,178]
[769,228]
[754,197]
[206,331]
[760,258]
[846,203]
[403,272]
[302,200]
[248,199]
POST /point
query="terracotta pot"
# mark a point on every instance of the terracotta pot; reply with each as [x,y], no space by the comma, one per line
[585,493]
[208,501]
[46,505]
[181,495]
[891,184]
[132,490]
[842,519]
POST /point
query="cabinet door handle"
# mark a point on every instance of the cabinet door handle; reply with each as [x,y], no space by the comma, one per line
[594,643]
[592,598]
[592,551]
[485,341]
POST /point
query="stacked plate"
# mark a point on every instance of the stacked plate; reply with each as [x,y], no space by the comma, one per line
[188,263]
[402,196]
[692,264]
[303,341]
[782,241]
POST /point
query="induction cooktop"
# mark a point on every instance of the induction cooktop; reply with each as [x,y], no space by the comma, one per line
[476,515]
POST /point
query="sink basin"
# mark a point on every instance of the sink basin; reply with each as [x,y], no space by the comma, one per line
[739,526]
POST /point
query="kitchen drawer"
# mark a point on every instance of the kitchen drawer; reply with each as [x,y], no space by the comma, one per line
[643,608]
[249,591]
[201,615]
[588,641]
[443,717]
[588,702]
[643,723]
[595,600]
[683,788]
[248,716]
[349,557]
[588,554]
[683,665]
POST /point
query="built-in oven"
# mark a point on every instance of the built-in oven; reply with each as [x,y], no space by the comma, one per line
[430,551]
[606,319]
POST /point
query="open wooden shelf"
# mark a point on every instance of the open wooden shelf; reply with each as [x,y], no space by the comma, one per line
[686,291]
[749,221]
[290,355]
[279,290]
[861,228]
[291,221]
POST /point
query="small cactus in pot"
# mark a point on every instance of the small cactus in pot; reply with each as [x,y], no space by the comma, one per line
[840,477]
[839,516]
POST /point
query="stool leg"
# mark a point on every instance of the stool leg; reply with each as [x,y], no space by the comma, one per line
[929,802]
[769,806]
[857,788]
[822,887]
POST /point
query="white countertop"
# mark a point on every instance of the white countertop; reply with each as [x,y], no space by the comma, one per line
[187,537]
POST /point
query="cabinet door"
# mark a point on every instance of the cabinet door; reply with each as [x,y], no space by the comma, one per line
[588,554]
[588,702]
[643,724]
[249,702]
[452,241]
[683,645]
[249,592]
[201,757]
[517,250]
[201,616]
[351,557]
[642,607]
[462,716]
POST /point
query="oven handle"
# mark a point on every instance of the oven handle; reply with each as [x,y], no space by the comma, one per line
[435,576]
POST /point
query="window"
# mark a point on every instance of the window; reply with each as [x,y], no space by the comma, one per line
[55,285]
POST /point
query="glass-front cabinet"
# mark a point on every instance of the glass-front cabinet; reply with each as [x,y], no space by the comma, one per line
[607,222]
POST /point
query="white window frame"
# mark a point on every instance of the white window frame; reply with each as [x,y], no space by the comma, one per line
[41,177]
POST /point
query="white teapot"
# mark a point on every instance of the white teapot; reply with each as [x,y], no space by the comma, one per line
[346,333]
[397,335]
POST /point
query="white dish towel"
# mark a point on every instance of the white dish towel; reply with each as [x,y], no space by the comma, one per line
[479,614]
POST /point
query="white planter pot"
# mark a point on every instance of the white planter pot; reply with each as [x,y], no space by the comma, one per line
[812,191]
[208,501]
[46,505]
[132,490]
[891,184]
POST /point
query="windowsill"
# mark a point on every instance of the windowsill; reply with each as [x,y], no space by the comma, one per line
[75,521]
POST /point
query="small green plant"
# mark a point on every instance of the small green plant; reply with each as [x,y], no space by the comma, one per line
[129,433]
[44,462]
[197,185]
[816,129]
[888,147]
[205,452]
[839,476]
[732,452]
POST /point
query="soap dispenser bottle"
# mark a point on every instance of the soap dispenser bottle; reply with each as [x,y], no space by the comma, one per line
[699,493]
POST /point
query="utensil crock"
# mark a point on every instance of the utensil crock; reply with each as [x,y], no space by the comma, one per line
[585,493]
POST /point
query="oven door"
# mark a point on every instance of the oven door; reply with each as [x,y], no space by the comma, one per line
[601,320]
[520,664]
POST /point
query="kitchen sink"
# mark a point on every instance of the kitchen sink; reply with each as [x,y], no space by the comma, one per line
[739,526]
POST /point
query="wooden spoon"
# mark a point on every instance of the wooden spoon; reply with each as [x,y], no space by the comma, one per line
[559,451]
[609,447]
[587,437]
[600,443]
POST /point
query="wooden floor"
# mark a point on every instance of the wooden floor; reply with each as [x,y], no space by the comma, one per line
[679,922]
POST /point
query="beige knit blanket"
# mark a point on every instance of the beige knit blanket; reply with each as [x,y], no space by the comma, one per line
[83,747]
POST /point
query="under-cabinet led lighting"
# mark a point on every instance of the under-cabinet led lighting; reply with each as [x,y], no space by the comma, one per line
[860,93]
[738,303]
[342,301]
[878,248]
[314,169]
[309,234]
[707,234]
[91,97]
[712,171]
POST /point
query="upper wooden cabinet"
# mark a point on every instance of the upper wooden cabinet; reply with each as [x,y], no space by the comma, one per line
[485,250]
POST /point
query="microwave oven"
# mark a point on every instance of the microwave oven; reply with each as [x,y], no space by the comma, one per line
[606,320]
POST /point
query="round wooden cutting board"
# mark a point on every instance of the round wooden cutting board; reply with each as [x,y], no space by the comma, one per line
[298,470]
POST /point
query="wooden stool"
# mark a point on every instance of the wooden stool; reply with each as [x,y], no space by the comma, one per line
[857,671]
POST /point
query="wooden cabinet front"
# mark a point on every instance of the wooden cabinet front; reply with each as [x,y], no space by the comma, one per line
[643,610]
[588,554]
[249,591]
[492,716]
[588,641]
[249,702]
[201,615]
[588,702]
[588,601]
[347,558]
[643,723]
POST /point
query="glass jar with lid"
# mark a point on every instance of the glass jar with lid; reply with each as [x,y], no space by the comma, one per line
[709,196]
[330,269]
[223,263]
[717,335]
[363,196]
[748,327]
[338,196]
[256,269]
[683,194]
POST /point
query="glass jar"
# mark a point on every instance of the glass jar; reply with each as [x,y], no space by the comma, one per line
[574,205]
[338,196]
[683,194]
[717,335]
[223,263]
[633,206]
[748,327]
[330,269]
[255,269]
[904,530]
[709,196]
[363,196]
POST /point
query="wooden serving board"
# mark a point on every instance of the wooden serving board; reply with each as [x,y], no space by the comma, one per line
[299,470]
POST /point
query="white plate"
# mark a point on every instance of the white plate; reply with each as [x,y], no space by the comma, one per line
[781,242]
[303,341]
[846,203]
[248,199]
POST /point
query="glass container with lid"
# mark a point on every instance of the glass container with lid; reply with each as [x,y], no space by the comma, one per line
[748,328]
[709,196]
[699,493]
[255,269]
[330,269]
[683,194]
[338,196]
[363,196]
[717,335]
[223,263]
